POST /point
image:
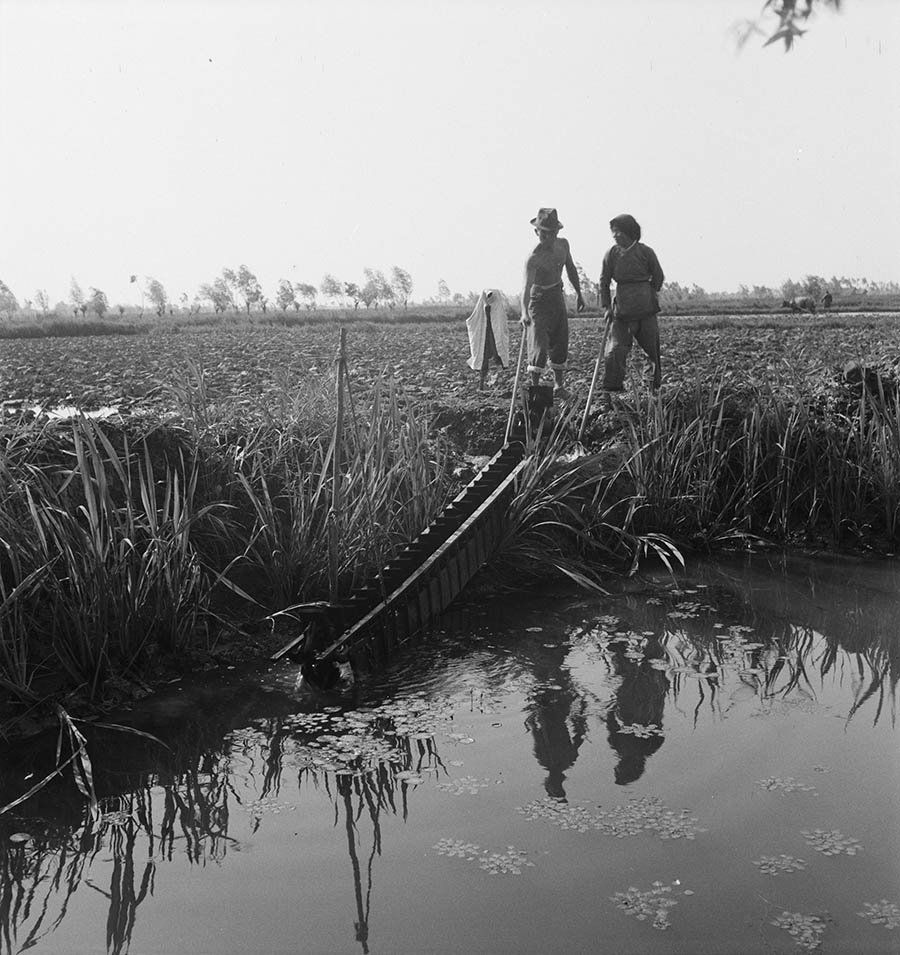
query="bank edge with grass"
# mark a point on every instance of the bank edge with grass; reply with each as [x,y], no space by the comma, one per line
[126,547]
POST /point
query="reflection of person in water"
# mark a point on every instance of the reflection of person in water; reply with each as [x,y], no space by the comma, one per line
[556,717]
[639,701]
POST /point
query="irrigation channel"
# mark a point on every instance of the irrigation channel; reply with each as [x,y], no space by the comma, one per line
[700,764]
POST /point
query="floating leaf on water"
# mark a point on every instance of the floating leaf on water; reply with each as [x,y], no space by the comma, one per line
[786,784]
[510,862]
[455,847]
[409,778]
[655,903]
[262,807]
[646,814]
[882,913]
[775,865]
[806,930]
[831,842]
[464,785]
[459,738]
[642,732]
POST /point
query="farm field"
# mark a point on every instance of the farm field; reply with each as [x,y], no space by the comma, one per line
[210,480]
[252,365]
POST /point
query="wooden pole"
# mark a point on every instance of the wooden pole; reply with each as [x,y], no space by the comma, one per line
[336,461]
[515,390]
[587,406]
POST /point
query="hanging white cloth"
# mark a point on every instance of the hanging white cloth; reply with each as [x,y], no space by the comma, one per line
[477,325]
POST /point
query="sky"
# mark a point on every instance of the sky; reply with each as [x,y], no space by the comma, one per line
[302,137]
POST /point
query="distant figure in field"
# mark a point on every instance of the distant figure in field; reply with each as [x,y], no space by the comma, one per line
[488,334]
[805,304]
[827,300]
[543,303]
[631,315]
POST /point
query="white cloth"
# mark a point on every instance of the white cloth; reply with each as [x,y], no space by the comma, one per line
[476,324]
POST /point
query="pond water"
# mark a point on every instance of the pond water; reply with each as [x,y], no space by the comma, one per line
[701,765]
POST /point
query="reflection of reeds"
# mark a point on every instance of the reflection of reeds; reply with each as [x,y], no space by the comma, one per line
[786,665]
[39,878]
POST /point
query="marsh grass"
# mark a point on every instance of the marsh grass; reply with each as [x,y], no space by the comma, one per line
[573,515]
[120,545]
[710,464]
[118,548]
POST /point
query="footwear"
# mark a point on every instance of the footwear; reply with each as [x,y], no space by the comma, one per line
[560,392]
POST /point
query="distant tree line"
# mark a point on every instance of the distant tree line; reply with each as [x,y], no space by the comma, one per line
[814,286]
[238,291]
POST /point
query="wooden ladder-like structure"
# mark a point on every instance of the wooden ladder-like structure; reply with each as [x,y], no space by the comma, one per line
[420,582]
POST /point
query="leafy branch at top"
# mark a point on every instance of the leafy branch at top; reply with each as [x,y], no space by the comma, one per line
[792,18]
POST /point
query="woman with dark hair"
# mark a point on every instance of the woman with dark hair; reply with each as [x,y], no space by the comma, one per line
[631,315]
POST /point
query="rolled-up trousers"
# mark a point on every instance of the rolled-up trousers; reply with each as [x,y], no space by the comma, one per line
[548,336]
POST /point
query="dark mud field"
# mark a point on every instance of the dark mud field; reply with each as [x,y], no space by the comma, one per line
[255,366]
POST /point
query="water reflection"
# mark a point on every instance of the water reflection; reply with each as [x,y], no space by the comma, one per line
[608,668]
[635,720]
[556,713]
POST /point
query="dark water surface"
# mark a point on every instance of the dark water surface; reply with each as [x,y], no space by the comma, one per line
[671,769]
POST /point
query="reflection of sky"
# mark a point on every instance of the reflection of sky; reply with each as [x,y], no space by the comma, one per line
[766,727]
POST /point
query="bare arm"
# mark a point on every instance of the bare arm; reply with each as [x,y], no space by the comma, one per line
[526,290]
[572,272]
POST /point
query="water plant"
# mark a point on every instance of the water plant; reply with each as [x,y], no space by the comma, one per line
[654,903]
[117,547]
[573,515]
[722,460]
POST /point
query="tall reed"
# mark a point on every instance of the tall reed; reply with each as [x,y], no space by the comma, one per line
[395,479]
[106,553]
[114,549]
[712,463]
[573,515]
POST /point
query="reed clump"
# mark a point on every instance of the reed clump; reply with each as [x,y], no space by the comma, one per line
[121,544]
[715,463]
[574,514]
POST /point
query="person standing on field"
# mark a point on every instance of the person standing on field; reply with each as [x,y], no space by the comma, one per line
[631,315]
[543,303]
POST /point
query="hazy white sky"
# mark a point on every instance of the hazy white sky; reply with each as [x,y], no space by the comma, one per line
[172,139]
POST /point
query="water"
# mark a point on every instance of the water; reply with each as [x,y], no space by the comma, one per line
[700,767]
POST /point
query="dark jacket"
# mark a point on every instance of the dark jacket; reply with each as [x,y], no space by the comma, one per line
[638,277]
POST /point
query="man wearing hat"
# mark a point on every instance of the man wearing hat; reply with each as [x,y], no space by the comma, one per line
[543,303]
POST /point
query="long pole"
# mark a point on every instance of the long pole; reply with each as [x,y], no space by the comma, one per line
[334,516]
[587,406]
[515,390]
